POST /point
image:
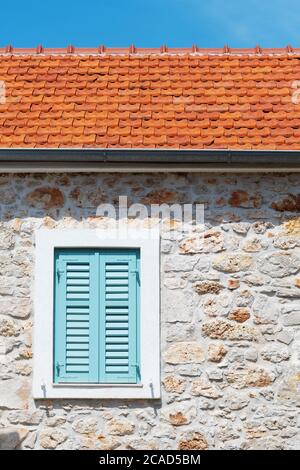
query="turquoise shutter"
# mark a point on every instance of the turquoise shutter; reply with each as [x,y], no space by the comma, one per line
[119,317]
[75,317]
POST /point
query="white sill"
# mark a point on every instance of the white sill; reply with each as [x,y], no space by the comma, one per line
[83,385]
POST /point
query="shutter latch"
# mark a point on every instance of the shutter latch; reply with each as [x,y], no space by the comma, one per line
[136,272]
[59,273]
[58,367]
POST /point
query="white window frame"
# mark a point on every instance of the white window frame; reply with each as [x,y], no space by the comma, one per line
[148,242]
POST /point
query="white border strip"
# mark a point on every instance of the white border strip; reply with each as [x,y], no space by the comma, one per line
[148,243]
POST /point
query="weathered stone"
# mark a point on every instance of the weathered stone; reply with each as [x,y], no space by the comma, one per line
[173,384]
[85,425]
[227,433]
[161,196]
[233,284]
[107,443]
[221,329]
[254,279]
[269,443]
[16,307]
[254,431]
[8,327]
[285,337]
[217,305]
[14,393]
[184,353]
[216,352]
[241,198]
[275,353]
[179,263]
[279,265]
[197,441]
[265,310]
[55,421]
[285,242]
[234,401]
[289,386]
[178,306]
[179,414]
[211,241]
[239,315]
[25,417]
[289,203]
[241,227]
[248,377]
[254,245]
[45,198]
[30,440]
[175,283]
[208,287]
[261,226]
[120,427]
[51,438]
[251,354]
[215,374]
[291,319]
[232,263]
[204,388]
[23,369]
[11,438]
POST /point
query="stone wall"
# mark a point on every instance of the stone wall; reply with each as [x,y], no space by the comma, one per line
[230,315]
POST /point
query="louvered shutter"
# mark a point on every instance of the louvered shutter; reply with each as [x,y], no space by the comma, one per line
[76,319]
[119,316]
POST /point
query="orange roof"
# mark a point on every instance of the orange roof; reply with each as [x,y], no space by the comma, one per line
[151,98]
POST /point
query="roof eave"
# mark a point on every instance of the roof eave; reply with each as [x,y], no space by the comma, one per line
[144,159]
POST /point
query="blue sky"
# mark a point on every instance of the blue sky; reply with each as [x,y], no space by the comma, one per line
[177,23]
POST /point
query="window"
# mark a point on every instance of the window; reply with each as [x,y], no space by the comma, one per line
[96,315]
[96,331]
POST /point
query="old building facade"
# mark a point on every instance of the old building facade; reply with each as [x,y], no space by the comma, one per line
[229,306]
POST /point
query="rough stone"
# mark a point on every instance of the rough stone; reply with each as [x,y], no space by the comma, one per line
[121,427]
[51,438]
[11,438]
[216,352]
[173,384]
[85,425]
[275,354]
[25,417]
[208,287]
[45,198]
[285,337]
[248,377]
[279,265]
[8,327]
[222,329]
[184,353]
[179,414]
[14,393]
[197,441]
[239,315]
[232,263]
[204,388]
[179,263]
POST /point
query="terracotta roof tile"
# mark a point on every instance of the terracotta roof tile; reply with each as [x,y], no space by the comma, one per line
[150,98]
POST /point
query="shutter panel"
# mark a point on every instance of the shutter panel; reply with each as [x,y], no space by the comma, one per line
[119,316]
[76,317]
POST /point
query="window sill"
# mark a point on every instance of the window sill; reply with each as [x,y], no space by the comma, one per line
[98,386]
[96,391]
